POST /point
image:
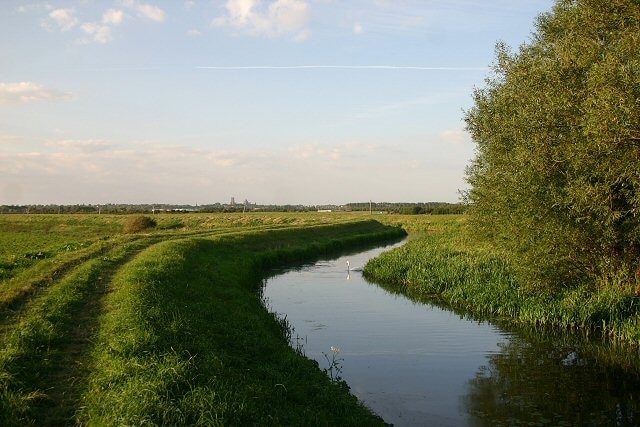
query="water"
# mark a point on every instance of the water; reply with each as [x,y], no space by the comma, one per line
[416,364]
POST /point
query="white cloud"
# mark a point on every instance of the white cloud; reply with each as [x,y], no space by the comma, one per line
[98,32]
[278,18]
[101,32]
[194,33]
[66,19]
[26,92]
[99,171]
[146,10]
[357,28]
[81,145]
[113,17]
[317,152]
[77,171]
[289,16]
[151,12]
[9,140]
[455,136]
[61,19]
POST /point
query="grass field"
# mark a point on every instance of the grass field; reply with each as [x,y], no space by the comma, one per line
[162,327]
[166,326]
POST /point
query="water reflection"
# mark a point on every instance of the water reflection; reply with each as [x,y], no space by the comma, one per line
[418,364]
[540,378]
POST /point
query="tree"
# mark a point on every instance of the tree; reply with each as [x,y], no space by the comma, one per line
[556,177]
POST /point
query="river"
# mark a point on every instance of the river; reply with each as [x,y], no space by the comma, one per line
[417,364]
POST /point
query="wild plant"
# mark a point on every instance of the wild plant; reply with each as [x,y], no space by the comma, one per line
[335,364]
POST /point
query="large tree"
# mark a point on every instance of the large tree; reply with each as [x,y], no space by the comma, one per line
[556,177]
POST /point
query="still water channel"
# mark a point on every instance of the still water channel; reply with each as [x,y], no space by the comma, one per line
[416,364]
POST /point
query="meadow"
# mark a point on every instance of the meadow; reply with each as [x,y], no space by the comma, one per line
[163,326]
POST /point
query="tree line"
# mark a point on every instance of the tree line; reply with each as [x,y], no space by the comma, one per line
[434,208]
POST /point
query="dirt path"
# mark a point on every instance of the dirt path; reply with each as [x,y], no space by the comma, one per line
[66,376]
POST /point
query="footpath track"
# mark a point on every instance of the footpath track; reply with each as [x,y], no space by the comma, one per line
[18,292]
[49,316]
[43,343]
[64,378]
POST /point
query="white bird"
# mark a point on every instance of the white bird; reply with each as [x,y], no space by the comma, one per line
[352,269]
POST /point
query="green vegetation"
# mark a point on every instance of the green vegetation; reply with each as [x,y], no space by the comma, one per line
[433,208]
[442,264]
[555,183]
[165,327]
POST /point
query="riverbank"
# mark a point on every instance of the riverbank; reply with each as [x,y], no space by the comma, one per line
[168,328]
[441,264]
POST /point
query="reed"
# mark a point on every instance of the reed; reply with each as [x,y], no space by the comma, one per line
[440,264]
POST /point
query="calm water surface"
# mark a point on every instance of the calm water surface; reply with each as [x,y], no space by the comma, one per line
[416,364]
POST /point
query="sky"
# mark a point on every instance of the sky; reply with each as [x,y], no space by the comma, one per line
[273,101]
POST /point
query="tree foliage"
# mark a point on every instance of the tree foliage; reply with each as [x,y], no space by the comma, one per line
[556,177]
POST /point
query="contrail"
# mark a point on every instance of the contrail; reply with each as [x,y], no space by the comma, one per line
[349,67]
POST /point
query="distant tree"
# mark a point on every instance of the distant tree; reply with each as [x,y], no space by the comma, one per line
[556,178]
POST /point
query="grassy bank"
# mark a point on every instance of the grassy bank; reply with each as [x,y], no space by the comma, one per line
[167,327]
[440,264]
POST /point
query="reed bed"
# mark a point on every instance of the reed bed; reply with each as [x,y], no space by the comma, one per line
[441,264]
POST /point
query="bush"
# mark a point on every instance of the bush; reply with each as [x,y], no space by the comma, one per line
[139,223]
[555,181]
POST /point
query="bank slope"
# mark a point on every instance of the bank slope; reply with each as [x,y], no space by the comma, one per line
[184,337]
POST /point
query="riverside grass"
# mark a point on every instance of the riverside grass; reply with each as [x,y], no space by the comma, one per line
[441,264]
[166,327]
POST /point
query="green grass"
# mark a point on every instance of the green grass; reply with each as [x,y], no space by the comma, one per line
[33,353]
[440,264]
[166,327]
[186,340]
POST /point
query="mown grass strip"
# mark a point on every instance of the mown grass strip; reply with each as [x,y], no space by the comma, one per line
[16,291]
[39,358]
[185,338]
[442,266]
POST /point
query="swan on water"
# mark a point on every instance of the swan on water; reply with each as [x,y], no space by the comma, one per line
[352,269]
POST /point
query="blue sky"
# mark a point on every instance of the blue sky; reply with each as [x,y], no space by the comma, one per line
[274,101]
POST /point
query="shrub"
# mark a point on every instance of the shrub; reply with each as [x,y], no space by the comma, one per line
[138,223]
